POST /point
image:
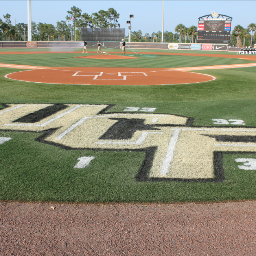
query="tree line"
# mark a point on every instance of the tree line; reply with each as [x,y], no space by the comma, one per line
[240,36]
[65,30]
[70,29]
[244,36]
[182,34]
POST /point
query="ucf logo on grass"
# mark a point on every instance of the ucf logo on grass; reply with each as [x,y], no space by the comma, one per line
[173,148]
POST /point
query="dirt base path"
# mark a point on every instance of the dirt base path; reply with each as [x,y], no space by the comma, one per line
[128,229]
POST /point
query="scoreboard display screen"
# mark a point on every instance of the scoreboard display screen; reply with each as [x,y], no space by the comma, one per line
[214,36]
[214,31]
[214,25]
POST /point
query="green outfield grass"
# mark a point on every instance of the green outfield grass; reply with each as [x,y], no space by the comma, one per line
[34,171]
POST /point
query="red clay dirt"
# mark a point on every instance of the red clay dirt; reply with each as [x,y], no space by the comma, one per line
[109,76]
[251,57]
[118,76]
[128,229]
[107,57]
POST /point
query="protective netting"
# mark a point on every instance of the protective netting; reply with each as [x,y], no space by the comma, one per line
[102,34]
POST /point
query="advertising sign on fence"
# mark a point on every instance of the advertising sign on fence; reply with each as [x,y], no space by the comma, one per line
[220,47]
[31,44]
[196,47]
[207,47]
[184,46]
[173,46]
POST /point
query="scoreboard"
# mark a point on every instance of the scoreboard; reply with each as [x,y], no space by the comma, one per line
[215,28]
[214,37]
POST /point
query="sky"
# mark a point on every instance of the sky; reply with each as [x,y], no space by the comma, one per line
[147,14]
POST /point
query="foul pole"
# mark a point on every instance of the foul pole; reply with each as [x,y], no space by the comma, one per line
[29,19]
[163,24]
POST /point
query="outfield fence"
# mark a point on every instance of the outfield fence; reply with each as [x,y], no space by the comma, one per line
[116,45]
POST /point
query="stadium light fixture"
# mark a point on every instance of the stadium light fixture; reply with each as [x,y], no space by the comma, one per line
[130,26]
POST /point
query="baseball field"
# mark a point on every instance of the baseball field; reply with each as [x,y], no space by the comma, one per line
[148,126]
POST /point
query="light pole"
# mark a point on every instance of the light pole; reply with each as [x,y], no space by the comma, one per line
[130,27]
[163,24]
[29,19]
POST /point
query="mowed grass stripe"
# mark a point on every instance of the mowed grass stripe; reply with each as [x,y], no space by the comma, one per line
[34,171]
[147,61]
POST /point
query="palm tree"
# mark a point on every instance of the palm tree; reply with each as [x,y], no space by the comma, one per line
[191,31]
[252,27]
[246,34]
[181,29]
[237,31]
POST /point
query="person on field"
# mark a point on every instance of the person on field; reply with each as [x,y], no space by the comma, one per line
[99,47]
[85,46]
[123,46]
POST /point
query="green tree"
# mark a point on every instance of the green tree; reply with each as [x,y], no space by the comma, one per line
[34,31]
[192,32]
[136,36]
[246,35]
[146,37]
[86,20]
[21,30]
[181,29]
[62,30]
[158,36]
[168,36]
[45,32]
[105,19]
[252,27]
[112,18]
[1,30]
[7,18]
[238,32]
[7,28]
[99,19]
[74,15]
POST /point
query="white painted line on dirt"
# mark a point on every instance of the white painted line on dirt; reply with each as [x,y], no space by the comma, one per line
[71,128]
[139,141]
[49,121]
[215,129]
[11,109]
[234,145]
[170,152]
